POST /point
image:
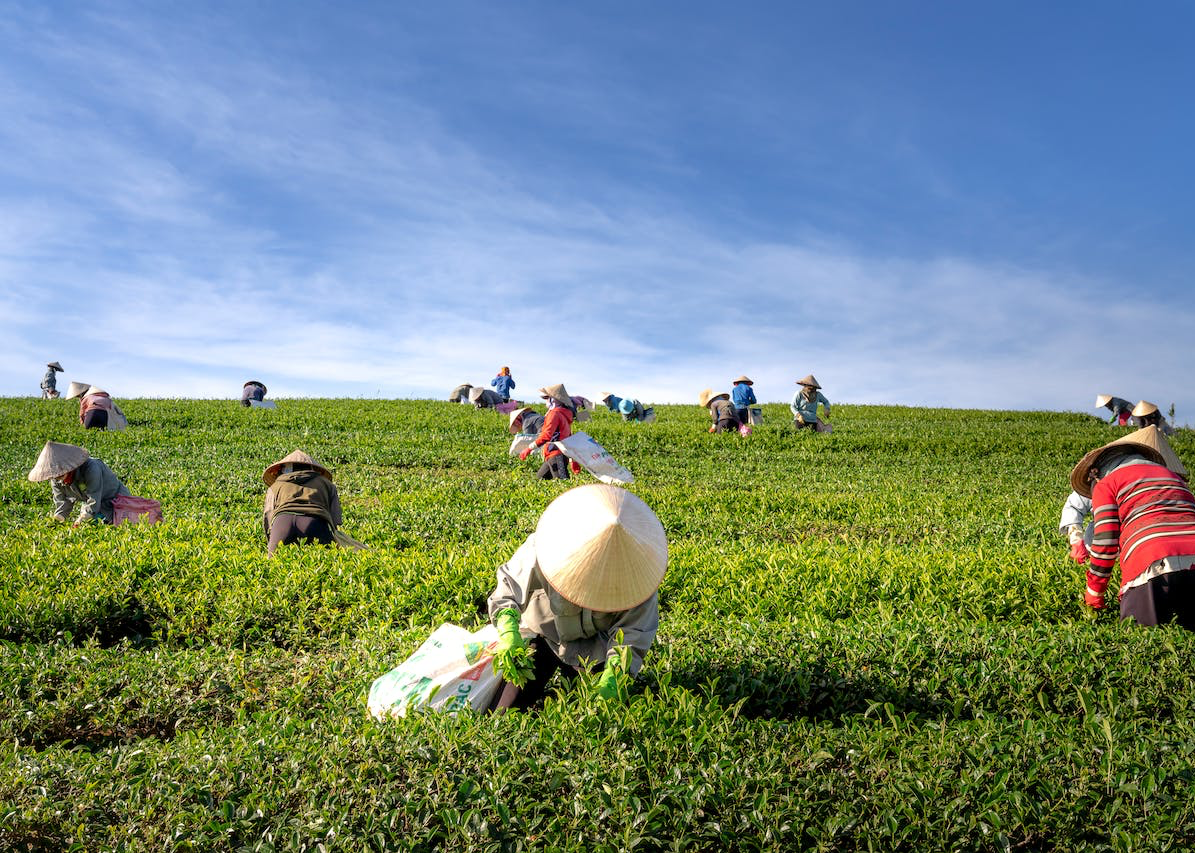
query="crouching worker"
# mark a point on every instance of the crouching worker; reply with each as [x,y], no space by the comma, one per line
[77,481]
[526,421]
[1145,518]
[302,504]
[579,593]
[723,414]
[253,392]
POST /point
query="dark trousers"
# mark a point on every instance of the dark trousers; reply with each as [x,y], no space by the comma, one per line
[555,468]
[546,665]
[744,415]
[289,529]
[95,419]
[726,425]
[1166,598]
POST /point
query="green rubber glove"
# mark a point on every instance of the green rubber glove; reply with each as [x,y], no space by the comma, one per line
[512,658]
[610,685]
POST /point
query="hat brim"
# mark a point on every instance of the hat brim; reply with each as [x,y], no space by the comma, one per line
[1080,472]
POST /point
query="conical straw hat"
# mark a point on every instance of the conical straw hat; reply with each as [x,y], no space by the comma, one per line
[1143,408]
[264,389]
[475,393]
[605,395]
[57,459]
[602,548]
[809,380]
[557,393]
[95,389]
[296,457]
[708,396]
[516,414]
[54,365]
[1148,441]
[742,379]
[1102,400]
[77,389]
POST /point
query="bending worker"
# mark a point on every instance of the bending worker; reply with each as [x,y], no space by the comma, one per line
[1145,518]
[1146,414]
[558,425]
[526,420]
[301,504]
[579,593]
[722,412]
[804,405]
[460,394]
[484,398]
[49,382]
[77,480]
[1121,409]
[631,410]
[253,391]
[743,397]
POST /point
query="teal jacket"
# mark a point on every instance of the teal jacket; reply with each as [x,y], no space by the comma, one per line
[807,409]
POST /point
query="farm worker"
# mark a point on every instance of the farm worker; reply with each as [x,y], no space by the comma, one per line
[1121,409]
[484,398]
[1146,414]
[743,397]
[526,420]
[631,410]
[302,503]
[96,409]
[1074,525]
[503,383]
[722,411]
[77,480]
[580,592]
[253,390]
[1145,518]
[804,405]
[460,394]
[558,425]
[49,382]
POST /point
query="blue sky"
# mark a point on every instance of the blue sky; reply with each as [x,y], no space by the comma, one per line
[940,203]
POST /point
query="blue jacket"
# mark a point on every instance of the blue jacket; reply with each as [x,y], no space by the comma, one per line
[807,409]
[504,384]
[743,396]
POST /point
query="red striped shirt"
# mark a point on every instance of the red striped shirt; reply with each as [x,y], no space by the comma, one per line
[1143,512]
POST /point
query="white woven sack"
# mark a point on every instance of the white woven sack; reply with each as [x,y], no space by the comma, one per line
[595,459]
[453,669]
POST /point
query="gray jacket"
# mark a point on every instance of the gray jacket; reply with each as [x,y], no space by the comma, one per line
[92,491]
[574,633]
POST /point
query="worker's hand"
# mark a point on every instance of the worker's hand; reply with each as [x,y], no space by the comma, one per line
[1079,551]
[712,428]
[525,452]
[512,658]
[57,517]
[612,683]
[574,466]
[1096,602]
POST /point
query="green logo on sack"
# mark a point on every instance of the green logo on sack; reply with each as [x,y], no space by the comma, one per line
[473,651]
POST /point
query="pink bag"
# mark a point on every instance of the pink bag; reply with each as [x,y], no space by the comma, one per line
[744,430]
[507,408]
[128,508]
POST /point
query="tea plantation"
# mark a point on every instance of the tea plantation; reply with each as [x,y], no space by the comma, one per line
[870,640]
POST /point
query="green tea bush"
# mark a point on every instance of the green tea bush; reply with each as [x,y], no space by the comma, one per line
[870,640]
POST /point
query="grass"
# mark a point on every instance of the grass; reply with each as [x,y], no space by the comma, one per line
[870,640]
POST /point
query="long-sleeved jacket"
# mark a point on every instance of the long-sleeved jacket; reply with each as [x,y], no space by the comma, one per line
[722,410]
[1144,516]
[94,401]
[612,402]
[49,382]
[807,409]
[488,399]
[574,633]
[1122,410]
[504,383]
[1074,514]
[558,424]
[533,422]
[743,396]
[302,493]
[91,490]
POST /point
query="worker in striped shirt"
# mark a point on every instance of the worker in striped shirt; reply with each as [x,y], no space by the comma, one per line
[1145,518]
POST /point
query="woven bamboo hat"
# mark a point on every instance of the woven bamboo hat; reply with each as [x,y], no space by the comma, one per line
[54,365]
[77,389]
[57,459]
[743,379]
[95,389]
[557,393]
[1143,408]
[264,389]
[475,393]
[1148,441]
[297,457]
[708,396]
[517,414]
[602,548]
[605,395]
[1102,400]
[810,381]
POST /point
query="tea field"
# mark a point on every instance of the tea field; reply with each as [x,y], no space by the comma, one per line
[870,640]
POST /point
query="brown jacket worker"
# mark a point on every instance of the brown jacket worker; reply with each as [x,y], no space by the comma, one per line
[302,504]
[77,480]
[579,592]
[558,425]
[723,413]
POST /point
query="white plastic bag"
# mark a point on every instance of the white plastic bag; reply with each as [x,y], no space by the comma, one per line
[595,459]
[262,404]
[453,669]
[521,441]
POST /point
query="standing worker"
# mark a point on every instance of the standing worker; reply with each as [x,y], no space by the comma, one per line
[504,383]
[1145,518]
[1146,414]
[580,592]
[49,382]
[724,415]
[253,392]
[1121,409]
[77,480]
[804,406]
[558,425]
[743,397]
[302,503]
